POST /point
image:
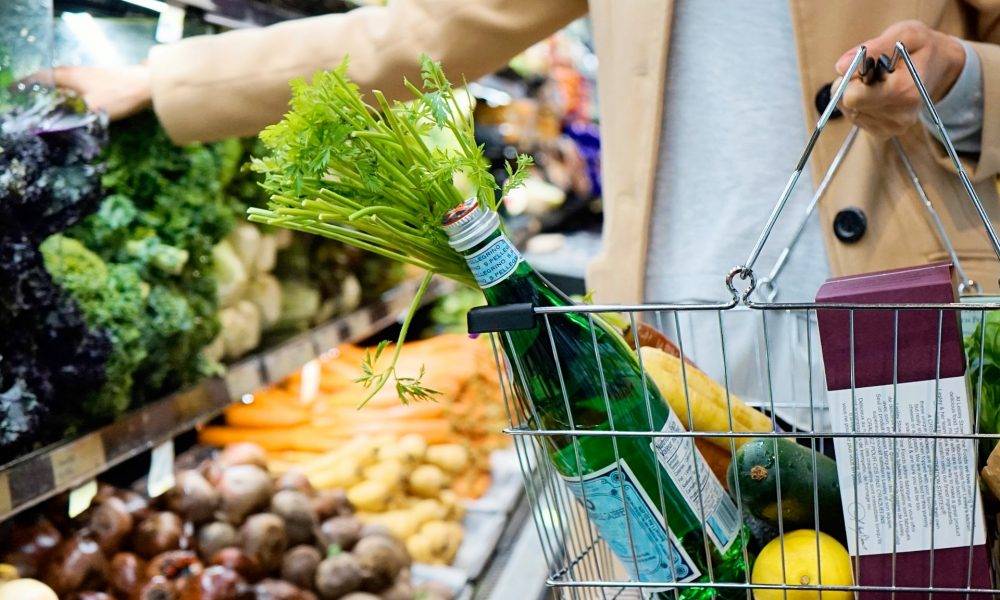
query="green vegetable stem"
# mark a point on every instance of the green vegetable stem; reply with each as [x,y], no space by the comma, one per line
[379,177]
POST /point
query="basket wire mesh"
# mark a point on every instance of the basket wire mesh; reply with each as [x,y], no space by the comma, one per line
[787,383]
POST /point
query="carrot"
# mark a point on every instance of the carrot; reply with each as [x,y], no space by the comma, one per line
[270,414]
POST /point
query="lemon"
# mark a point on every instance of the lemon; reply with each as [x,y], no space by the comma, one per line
[802,568]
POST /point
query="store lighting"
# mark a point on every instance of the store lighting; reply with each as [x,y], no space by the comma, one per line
[90,35]
[153,5]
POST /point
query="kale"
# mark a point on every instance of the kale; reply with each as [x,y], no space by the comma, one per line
[162,216]
[49,180]
[112,299]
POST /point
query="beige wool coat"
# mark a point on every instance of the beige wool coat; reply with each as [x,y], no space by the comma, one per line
[211,87]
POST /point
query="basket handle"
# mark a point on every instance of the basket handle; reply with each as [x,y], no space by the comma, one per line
[870,70]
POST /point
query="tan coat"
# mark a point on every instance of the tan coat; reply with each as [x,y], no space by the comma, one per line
[236,83]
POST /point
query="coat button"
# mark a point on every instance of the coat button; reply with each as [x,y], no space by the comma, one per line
[823,98]
[850,225]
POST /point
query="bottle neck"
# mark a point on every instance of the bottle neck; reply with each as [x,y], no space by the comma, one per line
[505,277]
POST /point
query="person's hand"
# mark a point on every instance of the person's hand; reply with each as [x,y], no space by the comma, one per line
[119,91]
[893,105]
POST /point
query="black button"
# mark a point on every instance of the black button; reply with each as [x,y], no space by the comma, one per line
[823,98]
[850,225]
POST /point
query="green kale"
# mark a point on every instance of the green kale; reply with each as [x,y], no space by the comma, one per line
[112,298]
[164,213]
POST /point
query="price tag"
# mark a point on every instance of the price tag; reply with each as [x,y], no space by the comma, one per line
[81,497]
[287,359]
[161,469]
[5,502]
[76,460]
[309,382]
[244,378]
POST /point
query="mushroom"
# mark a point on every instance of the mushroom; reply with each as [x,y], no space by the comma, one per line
[298,513]
[342,531]
[243,453]
[338,575]
[216,583]
[158,588]
[237,560]
[174,564]
[214,537]
[331,503]
[29,546]
[76,562]
[299,566]
[110,522]
[193,497]
[127,573]
[156,534]
[381,559]
[294,479]
[263,537]
[276,589]
[245,489]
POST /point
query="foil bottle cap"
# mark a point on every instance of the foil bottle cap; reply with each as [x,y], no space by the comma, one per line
[468,224]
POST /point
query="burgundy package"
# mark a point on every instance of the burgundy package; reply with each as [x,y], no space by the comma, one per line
[901,374]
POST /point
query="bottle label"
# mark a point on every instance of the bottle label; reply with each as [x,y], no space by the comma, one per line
[696,482]
[632,526]
[494,262]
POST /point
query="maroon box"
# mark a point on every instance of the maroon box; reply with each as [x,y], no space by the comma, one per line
[915,336]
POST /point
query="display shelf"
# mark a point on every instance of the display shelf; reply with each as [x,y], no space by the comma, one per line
[62,466]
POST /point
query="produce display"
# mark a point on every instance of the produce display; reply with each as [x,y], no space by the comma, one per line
[129,272]
[228,530]
[409,467]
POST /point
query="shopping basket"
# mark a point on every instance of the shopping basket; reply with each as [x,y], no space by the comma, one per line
[788,384]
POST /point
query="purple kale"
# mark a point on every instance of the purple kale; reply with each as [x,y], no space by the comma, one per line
[49,180]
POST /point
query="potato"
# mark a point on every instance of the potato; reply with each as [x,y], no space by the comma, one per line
[369,495]
[453,458]
[413,446]
[427,481]
[400,523]
[429,510]
[391,472]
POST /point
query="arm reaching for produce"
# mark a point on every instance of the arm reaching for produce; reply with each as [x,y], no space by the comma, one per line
[234,84]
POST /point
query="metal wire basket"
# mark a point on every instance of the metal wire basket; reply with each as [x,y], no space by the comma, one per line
[781,373]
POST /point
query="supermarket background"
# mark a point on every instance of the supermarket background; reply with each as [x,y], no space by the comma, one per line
[224,333]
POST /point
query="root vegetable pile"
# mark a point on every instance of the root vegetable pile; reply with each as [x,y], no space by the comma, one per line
[229,530]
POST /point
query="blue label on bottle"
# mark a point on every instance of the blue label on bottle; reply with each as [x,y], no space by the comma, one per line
[631,525]
[494,262]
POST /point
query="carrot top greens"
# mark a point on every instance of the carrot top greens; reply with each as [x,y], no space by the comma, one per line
[379,177]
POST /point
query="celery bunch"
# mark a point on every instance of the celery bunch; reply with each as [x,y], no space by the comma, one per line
[379,177]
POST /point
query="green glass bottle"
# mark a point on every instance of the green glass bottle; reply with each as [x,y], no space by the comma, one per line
[641,493]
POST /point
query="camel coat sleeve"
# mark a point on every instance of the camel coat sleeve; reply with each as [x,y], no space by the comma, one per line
[985,39]
[233,84]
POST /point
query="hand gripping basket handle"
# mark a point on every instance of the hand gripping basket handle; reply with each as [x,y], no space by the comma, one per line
[869,70]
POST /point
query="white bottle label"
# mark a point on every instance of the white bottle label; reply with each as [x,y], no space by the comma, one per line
[494,262]
[632,526]
[696,482]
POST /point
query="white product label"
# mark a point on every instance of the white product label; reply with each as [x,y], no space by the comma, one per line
[161,469]
[80,498]
[630,523]
[899,517]
[703,493]
[494,262]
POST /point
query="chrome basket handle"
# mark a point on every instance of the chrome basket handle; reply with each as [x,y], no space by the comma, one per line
[864,67]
